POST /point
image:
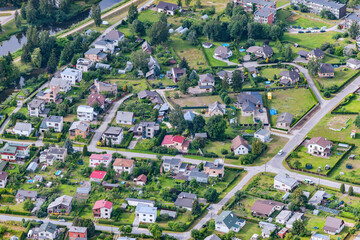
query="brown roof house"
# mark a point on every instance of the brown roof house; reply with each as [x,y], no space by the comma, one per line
[326,70]
[333,225]
[315,54]
[100,87]
[216,108]
[61,205]
[96,98]
[319,146]
[264,208]
[214,169]
[140,180]
[176,73]
[240,146]
[284,120]
[222,53]
[123,165]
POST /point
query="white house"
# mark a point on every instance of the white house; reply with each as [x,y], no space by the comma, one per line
[126,118]
[283,216]
[353,63]
[263,135]
[146,213]
[3,179]
[123,165]
[285,183]
[85,113]
[106,45]
[47,230]
[97,159]
[240,146]
[113,135]
[74,75]
[115,36]
[64,84]
[53,122]
[167,8]
[22,129]
[297,216]
[333,225]
[36,107]
[84,64]
[227,221]
[136,201]
[319,146]
[102,209]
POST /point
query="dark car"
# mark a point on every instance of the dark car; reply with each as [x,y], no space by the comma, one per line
[300,31]
[316,28]
[308,31]
[322,30]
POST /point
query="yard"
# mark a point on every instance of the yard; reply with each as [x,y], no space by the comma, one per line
[288,101]
[349,170]
[217,147]
[352,106]
[190,101]
[270,72]
[341,76]
[313,40]
[306,22]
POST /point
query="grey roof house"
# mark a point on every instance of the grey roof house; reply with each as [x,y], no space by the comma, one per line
[284,120]
[123,117]
[227,221]
[289,77]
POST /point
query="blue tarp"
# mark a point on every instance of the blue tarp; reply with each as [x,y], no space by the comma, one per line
[273,112]
[242,50]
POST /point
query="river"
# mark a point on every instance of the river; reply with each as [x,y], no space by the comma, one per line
[17,41]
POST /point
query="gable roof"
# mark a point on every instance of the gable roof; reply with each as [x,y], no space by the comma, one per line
[98,174]
[206,78]
[264,206]
[76,229]
[238,141]
[285,179]
[184,202]
[293,75]
[144,208]
[80,125]
[285,118]
[217,106]
[333,224]
[187,195]
[323,142]
[172,161]
[125,116]
[114,35]
[122,162]
[142,178]
[96,97]
[189,115]
[3,175]
[63,200]
[212,237]
[318,53]
[101,157]
[20,126]
[265,12]
[47,227]
[221,50]
[353,61]
[229,219]
[102,204]
[26,194]
[326,68]
[167,6]
[170,139]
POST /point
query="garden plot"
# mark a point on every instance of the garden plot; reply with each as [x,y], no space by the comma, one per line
[339,122]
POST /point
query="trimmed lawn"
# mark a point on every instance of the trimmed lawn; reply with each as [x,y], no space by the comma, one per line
[305,22]
[280,3]
[209,52]
[197,101]
[341,76]
[216,147]
[288,101]
[270,72]
[312,40]
[149,16]
[248,230]
[353,105]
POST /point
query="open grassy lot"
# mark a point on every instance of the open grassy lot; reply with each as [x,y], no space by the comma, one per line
[197,101]
[313,40]
[352,106]
[12,228]
[270,72]
[288,101]
[248,230]
[219,4]
[305,22]
[340,77]
[216,147]
[280,3]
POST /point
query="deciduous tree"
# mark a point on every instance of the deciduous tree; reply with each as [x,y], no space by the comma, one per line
[132,13]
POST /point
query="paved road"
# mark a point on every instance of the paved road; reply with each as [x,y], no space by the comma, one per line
[4,20]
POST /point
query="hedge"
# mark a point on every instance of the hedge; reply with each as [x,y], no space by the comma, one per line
[346,82]
[61,217]
[16,212]
[111,222]
[297,120]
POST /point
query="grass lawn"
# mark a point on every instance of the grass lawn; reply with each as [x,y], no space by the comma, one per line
[209,52]
[280,3]
[149,16]
[192,53]
[288,101]
[219,4]
[353,105]
[264,186]
[248,230]
[312,40]
[305,22]
[340,77]
[343,173]
[197,101]
[270,72]
[216,147]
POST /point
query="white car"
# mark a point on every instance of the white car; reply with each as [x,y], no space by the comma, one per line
[62,220]
[280,152]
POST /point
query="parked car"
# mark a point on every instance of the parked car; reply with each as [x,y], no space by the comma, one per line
[322,30]
[281,152]
[62,220]
[308,31]
[300,31]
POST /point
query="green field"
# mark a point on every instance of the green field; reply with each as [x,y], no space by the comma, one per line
[269,72]
[312,40]
[353,105]
[190,101]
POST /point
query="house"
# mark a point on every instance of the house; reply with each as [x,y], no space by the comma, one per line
[267,229]
[326,70]
[105,87]
[47,230]
[50,95]
[54,123]
[189,116]
[353,63]
[264,52]
[222,53]
[145,214]
[135,201]
[103,66]
[282,233]
[319,146]
[151,95]
[214,169]
[123,165]
[106,45]
[178,142]
[185,200]
[85,113]
[285,183]
[289,77]
[97,159]
[200,177]
[146,129]
[318,236]
[140,180]
[127,118]
[227,221]
[23,195]
[333,225]
[212,237]
[63,84]
[61,205]
[113,136]
[216,108]
[350,19]
[176,73]
[146,47]
[102,209]
[97,176]
[171,165]
[79,128]
[36,107]
[297,216]
[318,198]
[206,80]
[53,154]
[84,64]
[22,129]
[265,15]
[240,146]
[207,45]
[249,103]
[264,208]
[263,135]
[3,179]
[316,6]
[167,8]
[225,75]
[315,54]
[283,217]
[96,55]
[151,75]
[116,36]
[249,5]
[73,75]
[15,151]
[96,98]
[284,120]
[77,233]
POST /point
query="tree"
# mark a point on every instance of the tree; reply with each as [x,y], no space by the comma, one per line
[140,60]
[17,20]
[351,191]
[82,222]
[211,195]
[342,188]
[357,121]
[188,2]
[198,123]
[133,13]
[176,118]
[256,147]
[28,205]
[237,80]
[196,234]
[23,10]
[31,13]
[85,151]
[36,58]
[184,84]
[138,27]
[288,53]
[96,15]
[1,28]
[298,228]
[158,33]
[297,164]
[53,62]
[155,230]
[69,146]
[215,127]
[354,30]
[352,3]
[198,4]
[276,32]
[192,37]
[183,63]
[313,66]
[179,3]
[196,208]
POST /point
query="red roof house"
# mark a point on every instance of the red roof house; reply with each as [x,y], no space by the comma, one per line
[96,159]
[97,176]
[96,98]
[102,209]
[141,180]
[178,142]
